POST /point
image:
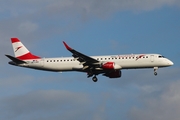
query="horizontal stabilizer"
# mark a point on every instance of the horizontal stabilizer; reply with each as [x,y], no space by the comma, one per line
[16,60]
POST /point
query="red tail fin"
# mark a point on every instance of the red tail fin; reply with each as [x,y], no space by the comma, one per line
[20,51]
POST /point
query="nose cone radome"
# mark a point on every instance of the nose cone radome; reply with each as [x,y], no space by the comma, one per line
[170,63]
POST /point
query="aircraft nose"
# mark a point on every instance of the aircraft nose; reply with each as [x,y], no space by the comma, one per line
[170,63]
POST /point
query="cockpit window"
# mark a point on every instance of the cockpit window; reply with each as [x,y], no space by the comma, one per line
[161,56]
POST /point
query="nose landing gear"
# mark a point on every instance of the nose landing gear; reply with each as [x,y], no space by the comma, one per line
[155,70]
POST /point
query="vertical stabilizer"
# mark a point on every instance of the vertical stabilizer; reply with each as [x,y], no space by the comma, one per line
[20,51]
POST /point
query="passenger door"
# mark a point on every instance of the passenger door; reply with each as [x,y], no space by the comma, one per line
[152,58]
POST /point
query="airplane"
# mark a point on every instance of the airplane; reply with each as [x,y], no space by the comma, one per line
[109,65]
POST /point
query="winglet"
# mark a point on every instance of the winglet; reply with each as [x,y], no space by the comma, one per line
[67,47]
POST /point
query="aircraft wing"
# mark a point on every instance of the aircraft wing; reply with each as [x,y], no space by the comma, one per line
[85,60]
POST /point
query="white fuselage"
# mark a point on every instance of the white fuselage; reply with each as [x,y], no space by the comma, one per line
[131,61]
[109,66]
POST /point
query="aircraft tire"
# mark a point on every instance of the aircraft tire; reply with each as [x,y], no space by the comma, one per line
[155,73]
[95,79]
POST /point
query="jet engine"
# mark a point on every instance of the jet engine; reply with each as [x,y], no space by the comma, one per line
[111,66]
[113,74]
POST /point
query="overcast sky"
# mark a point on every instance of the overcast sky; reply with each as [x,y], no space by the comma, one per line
[93,27]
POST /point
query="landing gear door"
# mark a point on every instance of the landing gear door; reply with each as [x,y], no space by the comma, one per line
[152,58]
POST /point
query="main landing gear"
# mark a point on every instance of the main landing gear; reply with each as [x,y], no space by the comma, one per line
[155,70]
[95,78]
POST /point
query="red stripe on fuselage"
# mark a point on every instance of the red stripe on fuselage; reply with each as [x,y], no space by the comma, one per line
[13,40]
[28,56]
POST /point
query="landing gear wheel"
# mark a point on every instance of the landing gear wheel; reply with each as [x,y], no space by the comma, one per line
[155,73]
[95,79]
[155,70]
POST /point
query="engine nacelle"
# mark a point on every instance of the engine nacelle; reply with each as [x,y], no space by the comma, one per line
[111,66]
[114,74]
